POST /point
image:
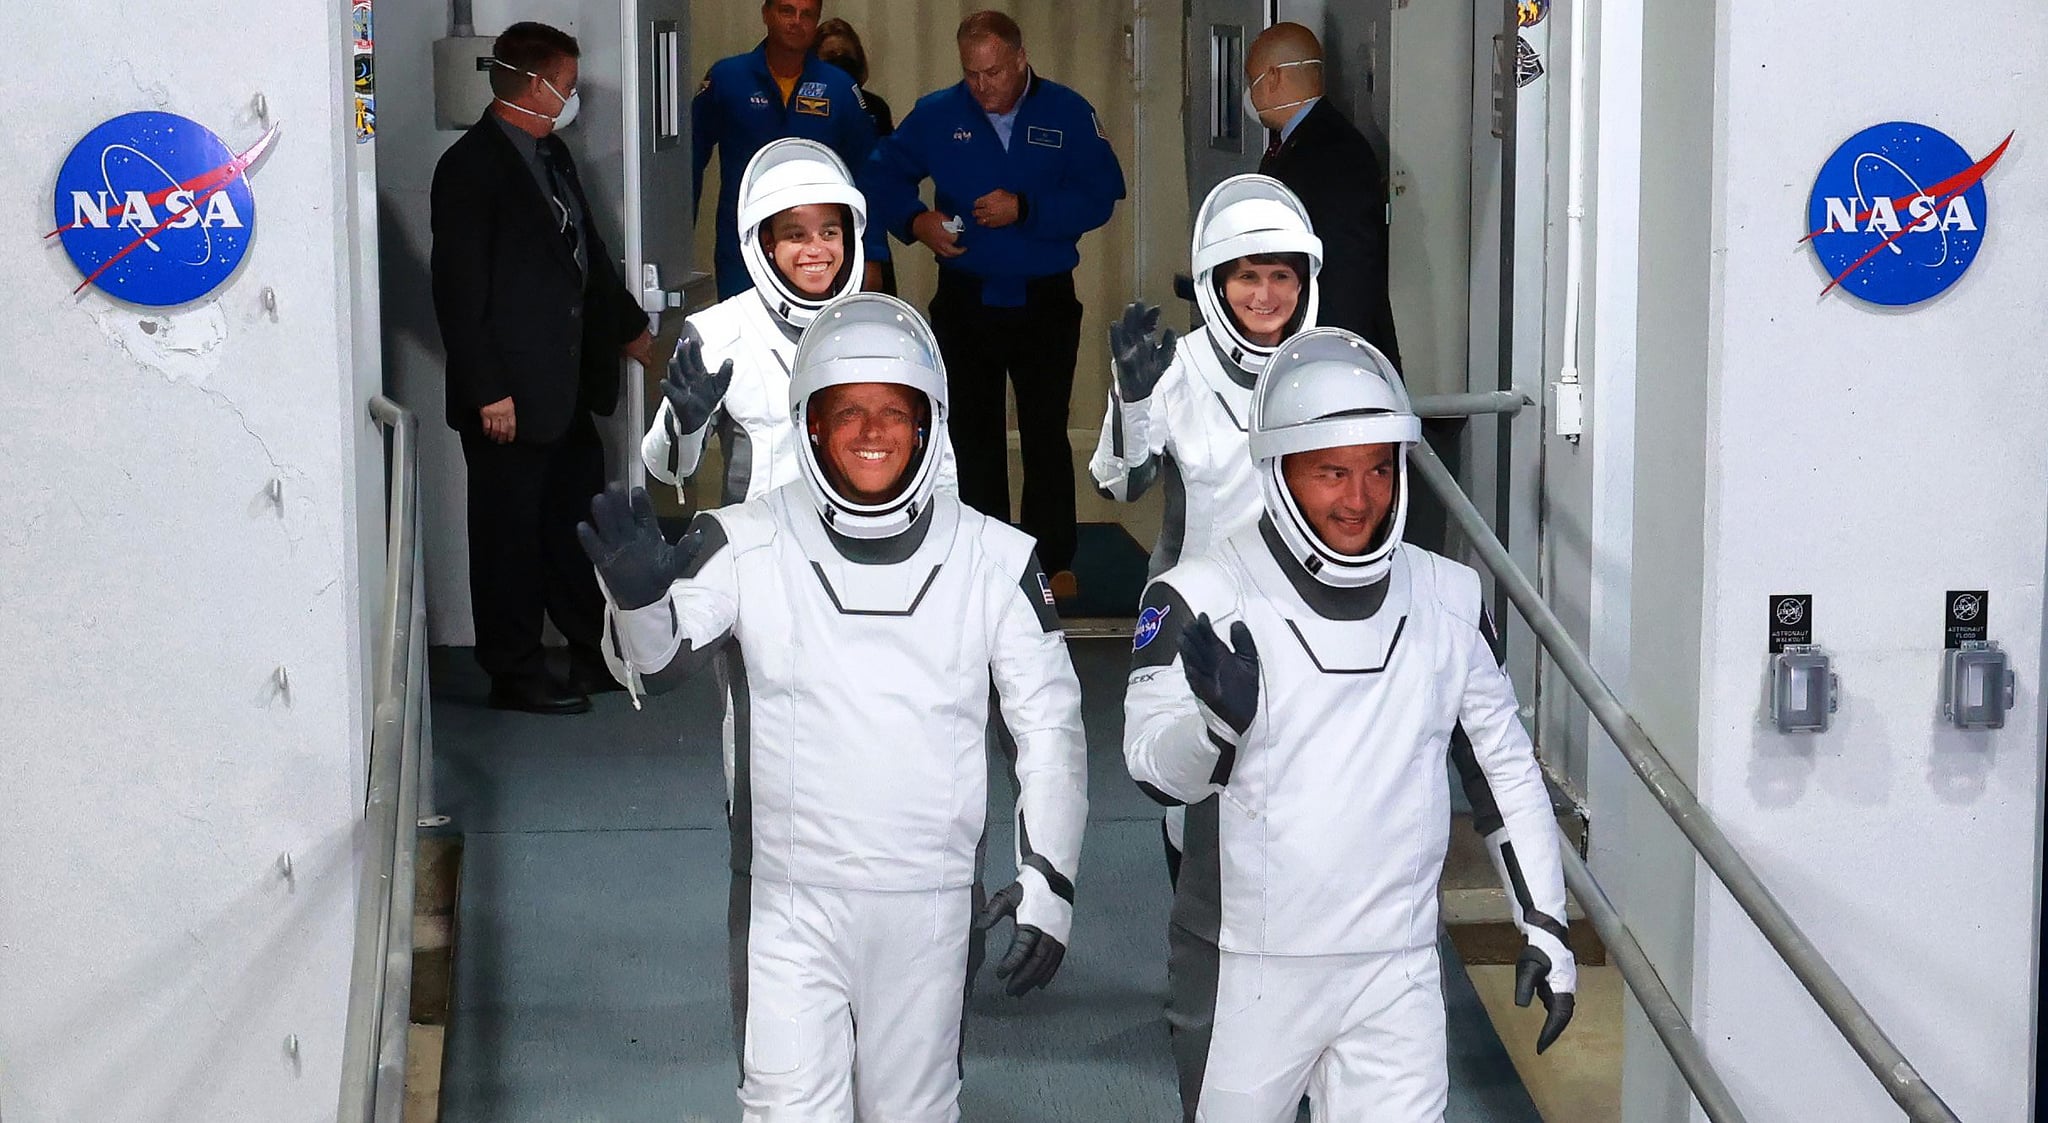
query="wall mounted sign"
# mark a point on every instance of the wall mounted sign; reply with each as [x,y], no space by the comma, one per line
[1966,617]
[1791,620]
[363,46]
[1898,213]
[155,209]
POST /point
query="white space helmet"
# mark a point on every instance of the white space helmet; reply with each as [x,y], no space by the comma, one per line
[786,173]
[1327,388]
[870,337]
[1245,215]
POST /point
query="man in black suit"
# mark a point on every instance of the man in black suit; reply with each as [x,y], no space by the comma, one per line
[1322,157]
[535,317]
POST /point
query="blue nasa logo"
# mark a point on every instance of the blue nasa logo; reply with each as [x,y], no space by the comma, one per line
[155,209]
[1898,213]
[1148,627]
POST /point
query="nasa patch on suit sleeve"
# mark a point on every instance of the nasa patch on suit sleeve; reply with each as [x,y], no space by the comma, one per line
[1149,622]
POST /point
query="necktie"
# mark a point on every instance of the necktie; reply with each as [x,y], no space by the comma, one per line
[1273,146]
[555,161]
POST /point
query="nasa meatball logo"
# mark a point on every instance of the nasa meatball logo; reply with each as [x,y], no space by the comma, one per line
[1148,627]
[155,209]
[1898,213]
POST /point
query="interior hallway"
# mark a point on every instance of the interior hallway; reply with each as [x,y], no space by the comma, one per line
[590,974]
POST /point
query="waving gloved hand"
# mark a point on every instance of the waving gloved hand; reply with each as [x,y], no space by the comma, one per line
[623,540]
[1035,954]
[1141,358]
[1547,969]
[692,391]
[1225,679]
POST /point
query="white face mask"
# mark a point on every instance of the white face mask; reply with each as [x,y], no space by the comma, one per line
[1251,109]
[562,118]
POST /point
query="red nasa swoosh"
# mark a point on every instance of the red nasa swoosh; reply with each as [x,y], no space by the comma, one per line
[204,186]
[1941,193]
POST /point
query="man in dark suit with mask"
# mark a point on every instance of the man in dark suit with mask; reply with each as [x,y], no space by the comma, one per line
[534,317]
[1323,158]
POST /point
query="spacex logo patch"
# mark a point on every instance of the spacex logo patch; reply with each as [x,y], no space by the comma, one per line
[1148,627]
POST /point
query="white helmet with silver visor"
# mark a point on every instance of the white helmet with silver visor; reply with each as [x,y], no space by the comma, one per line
[870,337]
[787,173]
[1327,388]
[1244,216]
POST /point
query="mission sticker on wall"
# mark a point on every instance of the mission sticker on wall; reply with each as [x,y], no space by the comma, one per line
[1898,213]
[1966,616]
[155,209]
[1791,620]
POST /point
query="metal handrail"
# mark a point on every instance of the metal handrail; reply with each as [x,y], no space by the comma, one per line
[1651,994]
[1898,1076]
[380,977]
[1469,405]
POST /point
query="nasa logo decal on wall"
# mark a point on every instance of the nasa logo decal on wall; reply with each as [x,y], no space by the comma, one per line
[155,209]
[1898,213]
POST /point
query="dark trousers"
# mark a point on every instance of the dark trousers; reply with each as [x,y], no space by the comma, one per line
[1034,347]
[524,560]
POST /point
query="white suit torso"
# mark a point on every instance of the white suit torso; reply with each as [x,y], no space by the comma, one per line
[1196,423]
[1328,834]
[860,694]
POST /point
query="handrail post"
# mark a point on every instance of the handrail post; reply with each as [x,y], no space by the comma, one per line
[1652,995]
[386,785]
[1894,1072]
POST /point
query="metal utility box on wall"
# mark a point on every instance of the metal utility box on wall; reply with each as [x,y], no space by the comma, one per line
[462,80]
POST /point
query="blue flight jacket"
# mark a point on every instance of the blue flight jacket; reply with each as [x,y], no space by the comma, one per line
[1059,164]
[739,109]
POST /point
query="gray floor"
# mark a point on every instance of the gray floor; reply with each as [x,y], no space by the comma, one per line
[590,973]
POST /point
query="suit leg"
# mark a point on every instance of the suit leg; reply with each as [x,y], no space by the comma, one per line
[974,390]
[506,562]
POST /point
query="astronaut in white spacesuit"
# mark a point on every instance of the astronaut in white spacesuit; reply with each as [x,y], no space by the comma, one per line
[801,223]
[863,615]
[1310,750]
[1178,409]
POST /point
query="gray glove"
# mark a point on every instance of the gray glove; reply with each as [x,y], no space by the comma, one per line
[1532,979]
[692,391]
[1225,679]
[1034,957]
[1141,359]
[624,542]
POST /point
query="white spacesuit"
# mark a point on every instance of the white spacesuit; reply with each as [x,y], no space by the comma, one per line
[756,332]
[862,636]
[1186,429]
[1311,755]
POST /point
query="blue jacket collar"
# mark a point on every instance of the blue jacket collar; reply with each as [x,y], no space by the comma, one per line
[758,60]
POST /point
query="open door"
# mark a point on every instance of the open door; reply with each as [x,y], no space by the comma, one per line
[657,216]
[1222,139]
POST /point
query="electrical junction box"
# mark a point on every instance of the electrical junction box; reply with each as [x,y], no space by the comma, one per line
[462,80]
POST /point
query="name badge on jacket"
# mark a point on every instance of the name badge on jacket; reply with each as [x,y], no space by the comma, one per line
[1049,138]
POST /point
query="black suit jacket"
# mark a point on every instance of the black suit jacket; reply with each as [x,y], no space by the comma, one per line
[1329,163]
[517,317]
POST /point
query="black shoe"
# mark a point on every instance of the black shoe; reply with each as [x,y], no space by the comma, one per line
[539,695]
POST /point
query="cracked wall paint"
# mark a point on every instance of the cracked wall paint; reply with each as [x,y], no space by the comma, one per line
[183,345]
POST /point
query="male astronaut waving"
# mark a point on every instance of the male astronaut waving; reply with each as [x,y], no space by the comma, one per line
[864,615]
[1310,749]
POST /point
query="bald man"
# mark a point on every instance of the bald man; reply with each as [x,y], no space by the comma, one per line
[1324,159]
